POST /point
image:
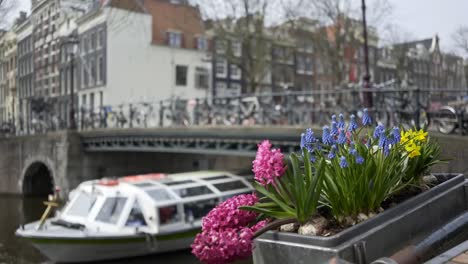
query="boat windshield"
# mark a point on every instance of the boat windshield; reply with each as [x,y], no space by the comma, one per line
[82,204]
[111,210]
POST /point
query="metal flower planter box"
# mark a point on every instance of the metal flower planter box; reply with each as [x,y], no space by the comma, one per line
[378,237]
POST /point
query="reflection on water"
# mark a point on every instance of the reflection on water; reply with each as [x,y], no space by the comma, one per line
[16,210]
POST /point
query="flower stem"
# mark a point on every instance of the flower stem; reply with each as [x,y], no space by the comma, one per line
[273,225]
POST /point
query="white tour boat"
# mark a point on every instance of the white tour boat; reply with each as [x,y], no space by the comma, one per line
[132,216]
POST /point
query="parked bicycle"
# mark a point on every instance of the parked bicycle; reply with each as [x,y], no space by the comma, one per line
[452,116]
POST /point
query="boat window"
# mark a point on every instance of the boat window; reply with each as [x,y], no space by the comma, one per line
[192,191]
[111,210]
[229,186]
[197,210]
[82,205]
[178,182]
[136,217]
[159,195]
[168,215]
[144,184]
[222,177]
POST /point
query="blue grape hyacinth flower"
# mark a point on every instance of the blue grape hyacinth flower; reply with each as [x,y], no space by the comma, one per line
[327,138]
[343,162]
[334,129]
[382,139]
[352,124]
[378,130]
[341,137]
[396,137]
[366,119]
[359,159]
[341,123]
[331,154]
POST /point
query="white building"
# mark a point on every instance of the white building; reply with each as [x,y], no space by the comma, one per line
[8,75]
[120,64]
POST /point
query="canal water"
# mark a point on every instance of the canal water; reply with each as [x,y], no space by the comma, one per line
[15,210]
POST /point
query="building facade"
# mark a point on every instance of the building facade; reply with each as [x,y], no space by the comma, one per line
[25,74]
[8,83]
[138,61]
[421,63]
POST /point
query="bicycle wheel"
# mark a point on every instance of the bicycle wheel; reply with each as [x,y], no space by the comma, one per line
[446,120]
[382,117]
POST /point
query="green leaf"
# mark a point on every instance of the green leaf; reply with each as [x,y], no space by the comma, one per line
[273,213]
[270,195]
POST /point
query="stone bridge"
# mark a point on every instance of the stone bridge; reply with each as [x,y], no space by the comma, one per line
[34,165]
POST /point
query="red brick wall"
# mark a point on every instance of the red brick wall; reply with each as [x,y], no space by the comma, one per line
[178,17]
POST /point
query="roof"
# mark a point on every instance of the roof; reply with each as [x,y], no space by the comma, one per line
[430,44]
[130,5]
[166,189]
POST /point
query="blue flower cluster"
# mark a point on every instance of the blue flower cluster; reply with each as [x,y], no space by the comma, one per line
[308,141]
[366,119]
[336,136]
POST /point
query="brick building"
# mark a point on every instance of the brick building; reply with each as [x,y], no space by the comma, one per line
[421,63]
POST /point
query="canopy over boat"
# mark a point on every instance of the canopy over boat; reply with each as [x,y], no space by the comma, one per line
[154,203]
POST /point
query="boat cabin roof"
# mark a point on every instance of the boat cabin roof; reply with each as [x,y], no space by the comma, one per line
[164,189]
[161,197]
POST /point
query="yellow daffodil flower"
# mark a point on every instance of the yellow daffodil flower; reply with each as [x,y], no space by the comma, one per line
[420,135]
[416,152]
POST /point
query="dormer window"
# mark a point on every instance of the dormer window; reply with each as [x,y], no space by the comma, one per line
[202,43]
[174,39]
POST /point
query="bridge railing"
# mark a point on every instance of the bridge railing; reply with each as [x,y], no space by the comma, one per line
[391,105]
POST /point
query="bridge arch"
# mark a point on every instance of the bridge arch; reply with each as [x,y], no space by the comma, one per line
[37,178]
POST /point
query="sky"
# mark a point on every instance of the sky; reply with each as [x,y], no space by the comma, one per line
[421,18]
[424,18]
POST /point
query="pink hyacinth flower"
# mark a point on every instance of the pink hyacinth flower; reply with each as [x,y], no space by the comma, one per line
[268,164]
[228,215]
[225,246]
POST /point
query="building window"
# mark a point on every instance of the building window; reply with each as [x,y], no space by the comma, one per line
[101,100]
[220,47]
[83,101]
[181,75]
[201,78]
[86,77]
[236,48]
[100,40]
[221,88]
[93,72]
[86,45]
[235,72]
[175,39]
[202,43]
[83,46]
[100,69]
[91,102]
[93,41]
[62,82]
[220,68]
[308,65]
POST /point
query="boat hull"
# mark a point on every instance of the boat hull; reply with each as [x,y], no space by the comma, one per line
[72,250]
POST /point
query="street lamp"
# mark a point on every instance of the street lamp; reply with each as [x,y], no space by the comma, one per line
[367,77]
[70,47]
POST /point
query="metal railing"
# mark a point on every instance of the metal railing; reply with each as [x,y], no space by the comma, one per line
[411,107]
